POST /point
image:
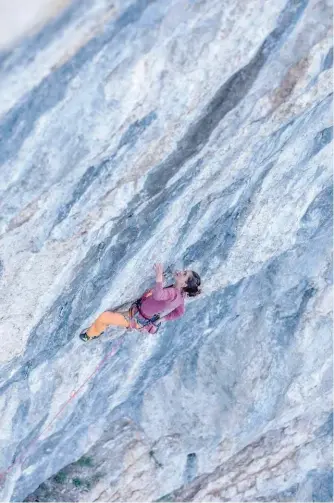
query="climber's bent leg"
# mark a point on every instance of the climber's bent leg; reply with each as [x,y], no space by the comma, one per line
[105,320]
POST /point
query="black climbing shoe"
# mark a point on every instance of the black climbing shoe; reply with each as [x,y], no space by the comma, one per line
[84,337]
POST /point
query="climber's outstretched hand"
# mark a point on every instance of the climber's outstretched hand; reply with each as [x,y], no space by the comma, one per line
[159,271]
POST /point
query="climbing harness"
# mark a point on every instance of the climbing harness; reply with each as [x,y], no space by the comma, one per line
[137,314]
[154,318]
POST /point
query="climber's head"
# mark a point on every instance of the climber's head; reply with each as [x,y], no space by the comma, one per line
[188,281]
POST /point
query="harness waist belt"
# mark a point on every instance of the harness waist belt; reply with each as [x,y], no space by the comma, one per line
[153,319]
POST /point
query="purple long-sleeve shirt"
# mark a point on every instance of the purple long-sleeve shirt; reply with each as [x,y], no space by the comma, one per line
[164,300]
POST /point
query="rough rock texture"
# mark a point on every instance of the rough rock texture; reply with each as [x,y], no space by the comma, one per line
[197,133]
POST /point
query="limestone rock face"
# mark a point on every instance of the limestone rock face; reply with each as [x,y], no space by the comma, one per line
[195,133]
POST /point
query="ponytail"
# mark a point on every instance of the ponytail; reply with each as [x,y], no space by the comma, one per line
[192,292]
[192,289]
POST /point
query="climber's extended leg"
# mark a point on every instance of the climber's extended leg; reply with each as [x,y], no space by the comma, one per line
[102,322]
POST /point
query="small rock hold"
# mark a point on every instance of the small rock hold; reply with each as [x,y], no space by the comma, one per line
[250,493]
[230,492]
[244,485]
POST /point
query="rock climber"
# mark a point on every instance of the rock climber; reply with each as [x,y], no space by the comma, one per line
[155,306]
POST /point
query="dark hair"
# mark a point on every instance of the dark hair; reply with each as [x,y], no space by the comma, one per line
[192,289]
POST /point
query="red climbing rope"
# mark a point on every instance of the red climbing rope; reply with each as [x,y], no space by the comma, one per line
[20,459]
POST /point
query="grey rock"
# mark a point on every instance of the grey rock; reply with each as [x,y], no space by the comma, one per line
[198,134]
